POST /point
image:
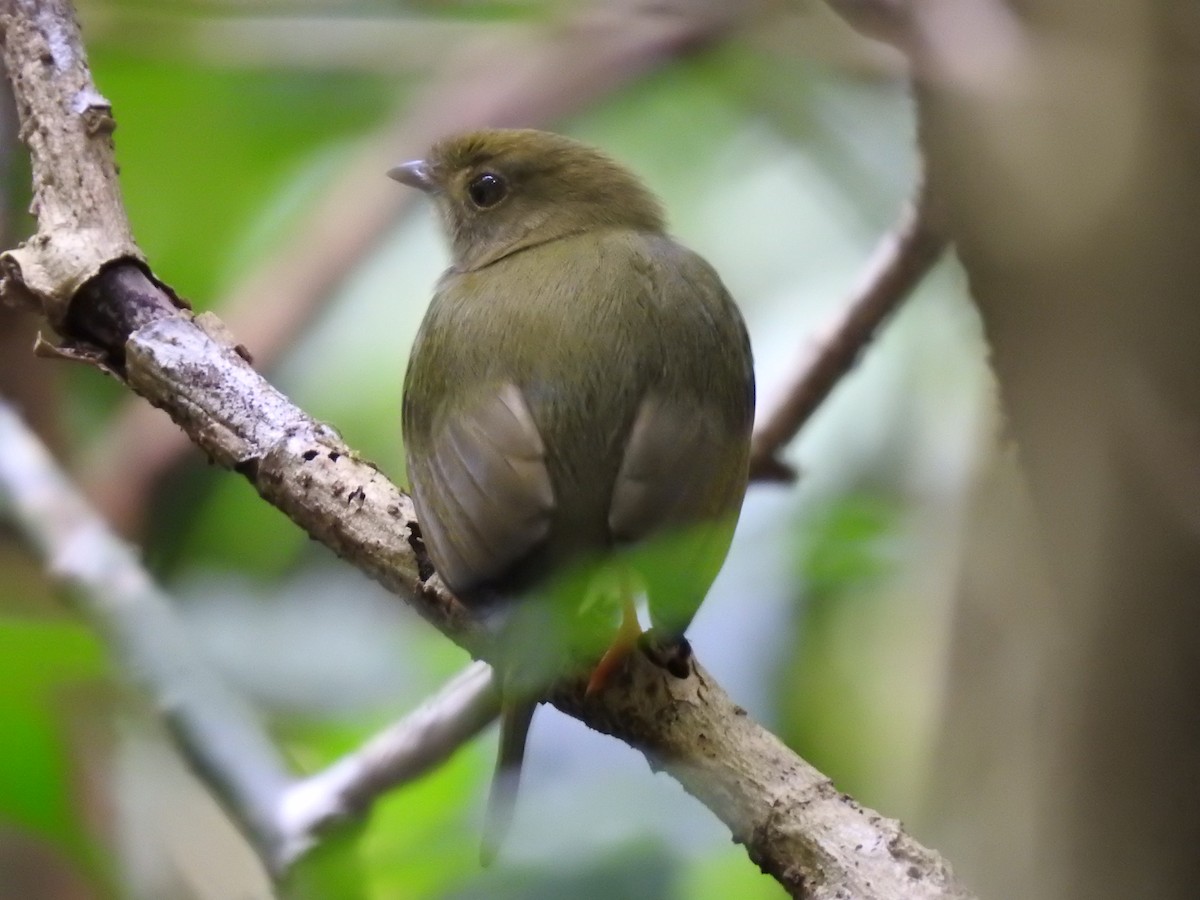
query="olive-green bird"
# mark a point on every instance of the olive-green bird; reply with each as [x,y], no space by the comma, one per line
[577,414]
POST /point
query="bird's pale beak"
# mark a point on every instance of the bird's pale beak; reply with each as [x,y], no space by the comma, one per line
[415,173]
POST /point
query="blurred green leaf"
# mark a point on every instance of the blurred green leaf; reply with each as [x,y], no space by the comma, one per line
[640,870]
[729,874]
[423,838]
[231,527]
[332,869]
[846,551]
[39,661]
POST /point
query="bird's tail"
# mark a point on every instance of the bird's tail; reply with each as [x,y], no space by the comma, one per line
[515,718]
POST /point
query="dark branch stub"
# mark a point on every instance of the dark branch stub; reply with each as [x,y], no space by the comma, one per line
[115,304]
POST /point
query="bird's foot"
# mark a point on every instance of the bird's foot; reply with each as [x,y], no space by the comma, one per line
[628,636]
[668,651]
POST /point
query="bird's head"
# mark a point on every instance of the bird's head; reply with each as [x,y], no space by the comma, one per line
[499,191]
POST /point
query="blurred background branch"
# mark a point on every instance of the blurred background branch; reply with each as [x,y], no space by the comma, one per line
[902,259]
[220,736]
[283,816]
[403,752]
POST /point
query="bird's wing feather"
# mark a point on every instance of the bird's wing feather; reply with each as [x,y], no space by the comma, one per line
[673,456]
[483,489]
[677,494]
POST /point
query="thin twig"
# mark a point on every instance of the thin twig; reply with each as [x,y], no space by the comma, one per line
[397,755]
[901,260]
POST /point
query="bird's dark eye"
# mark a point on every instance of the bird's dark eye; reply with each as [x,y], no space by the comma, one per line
[487,189]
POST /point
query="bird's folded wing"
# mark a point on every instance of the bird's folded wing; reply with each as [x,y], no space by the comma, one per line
[677,495]
[486,488]
[676,469]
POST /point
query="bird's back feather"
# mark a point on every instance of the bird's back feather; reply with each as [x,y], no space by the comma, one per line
[565,420]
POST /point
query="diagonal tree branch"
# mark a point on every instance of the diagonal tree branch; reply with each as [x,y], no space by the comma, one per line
[796,826]
[901,260]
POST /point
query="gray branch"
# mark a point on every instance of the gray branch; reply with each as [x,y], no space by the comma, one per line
[220,736]
[395,756]
[224,742]
[817,842]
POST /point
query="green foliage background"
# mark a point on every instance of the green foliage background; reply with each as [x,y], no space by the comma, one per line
[783,171]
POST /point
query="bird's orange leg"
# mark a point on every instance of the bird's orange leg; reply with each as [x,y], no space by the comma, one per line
[626,638]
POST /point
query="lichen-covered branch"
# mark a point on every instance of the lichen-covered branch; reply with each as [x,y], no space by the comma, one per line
[81,220]
[817,842]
